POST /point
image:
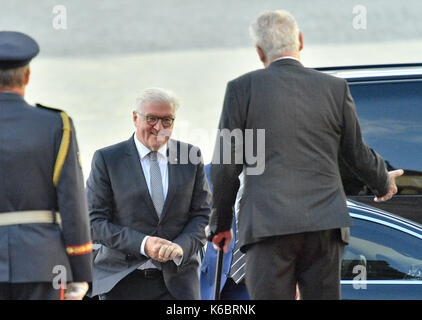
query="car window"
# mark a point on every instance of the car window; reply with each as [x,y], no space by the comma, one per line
[390,116]
[382,253]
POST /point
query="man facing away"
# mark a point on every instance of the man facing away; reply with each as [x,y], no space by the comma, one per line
[45,239]
[149,203]
[294,219]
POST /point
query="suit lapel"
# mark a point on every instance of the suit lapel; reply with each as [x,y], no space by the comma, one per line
[135,168]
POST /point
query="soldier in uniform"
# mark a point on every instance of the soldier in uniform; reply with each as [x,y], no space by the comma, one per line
[45,241]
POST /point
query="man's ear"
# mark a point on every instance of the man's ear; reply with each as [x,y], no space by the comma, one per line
[28,73]
[300,40]
[261,55]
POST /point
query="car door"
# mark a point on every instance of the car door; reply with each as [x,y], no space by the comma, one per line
[383,259]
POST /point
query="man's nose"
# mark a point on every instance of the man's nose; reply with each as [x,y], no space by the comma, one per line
[158,126]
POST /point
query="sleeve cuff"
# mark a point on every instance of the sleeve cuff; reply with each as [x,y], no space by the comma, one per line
[178,260]
[142,249]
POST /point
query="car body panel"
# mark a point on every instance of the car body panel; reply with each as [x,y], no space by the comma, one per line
[384,257]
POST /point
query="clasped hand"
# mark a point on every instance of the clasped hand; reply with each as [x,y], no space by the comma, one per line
[161,249]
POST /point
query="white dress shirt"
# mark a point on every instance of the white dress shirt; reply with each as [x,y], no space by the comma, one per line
[145,163]
[285,57]
[143,152]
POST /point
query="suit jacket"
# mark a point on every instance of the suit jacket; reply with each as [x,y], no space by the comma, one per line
[309,120]
[122,214]
[29,143]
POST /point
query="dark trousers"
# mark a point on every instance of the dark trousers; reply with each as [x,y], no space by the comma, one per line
[29,291]
[137,286]
[312,260]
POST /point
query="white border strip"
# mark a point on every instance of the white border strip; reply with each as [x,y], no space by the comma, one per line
[360,282]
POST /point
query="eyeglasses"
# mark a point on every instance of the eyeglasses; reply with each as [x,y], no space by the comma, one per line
[152,120]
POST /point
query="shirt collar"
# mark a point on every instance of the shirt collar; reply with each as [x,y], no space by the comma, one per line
[143,150]
[286,57]
[9,95]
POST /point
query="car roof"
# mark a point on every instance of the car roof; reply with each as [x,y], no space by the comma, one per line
[376,72]
[365,212]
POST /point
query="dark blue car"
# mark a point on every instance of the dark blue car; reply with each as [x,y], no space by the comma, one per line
[388,102]
[384,258]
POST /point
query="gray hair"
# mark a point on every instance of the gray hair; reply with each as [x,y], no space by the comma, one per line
[156,94]
[13,78]
[275,32]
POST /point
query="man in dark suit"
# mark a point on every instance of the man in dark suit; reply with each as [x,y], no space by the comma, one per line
[45,240]
[294,218]
[149,203]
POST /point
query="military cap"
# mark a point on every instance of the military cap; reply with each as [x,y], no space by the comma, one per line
[16,49]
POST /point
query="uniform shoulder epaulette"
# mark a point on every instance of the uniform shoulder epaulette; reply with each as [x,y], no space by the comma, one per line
[48,108]
[64,144]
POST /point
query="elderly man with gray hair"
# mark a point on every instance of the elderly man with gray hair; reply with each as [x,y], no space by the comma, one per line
[293,219]
[148,209]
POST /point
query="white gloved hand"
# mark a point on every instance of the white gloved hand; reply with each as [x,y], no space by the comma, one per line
[76,290]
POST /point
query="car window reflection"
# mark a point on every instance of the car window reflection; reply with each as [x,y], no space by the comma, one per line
[385,253]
